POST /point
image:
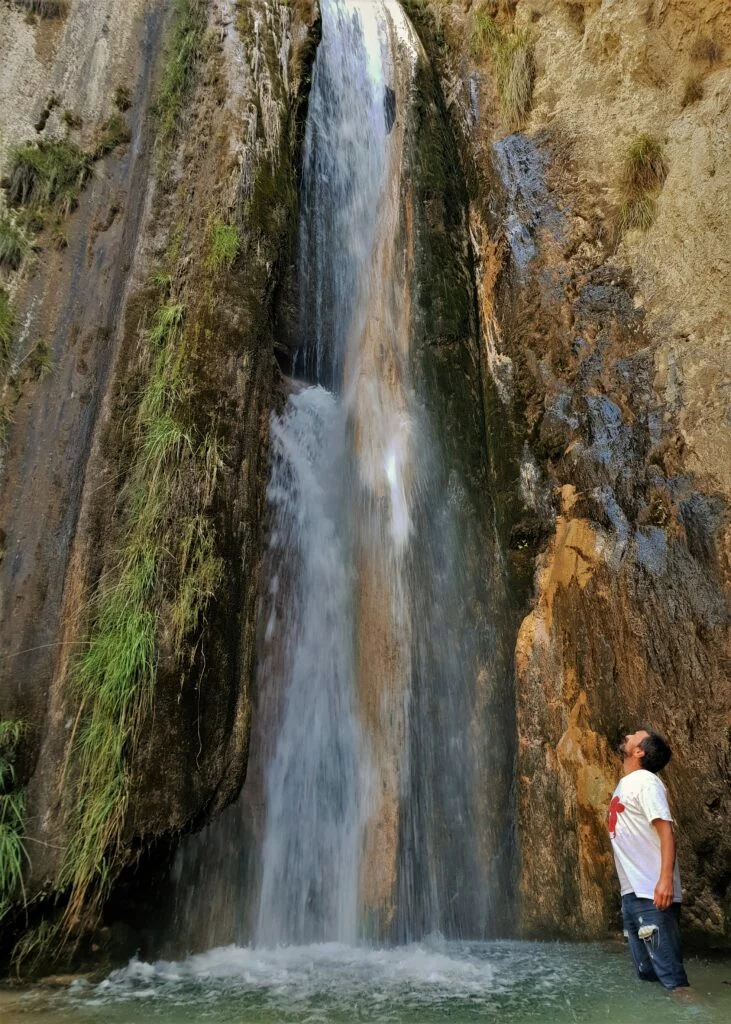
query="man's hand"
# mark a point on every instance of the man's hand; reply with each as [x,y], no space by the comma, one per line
[663,895]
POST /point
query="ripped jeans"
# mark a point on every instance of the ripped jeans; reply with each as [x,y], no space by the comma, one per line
[654,941]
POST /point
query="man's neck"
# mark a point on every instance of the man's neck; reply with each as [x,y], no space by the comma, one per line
[630,765]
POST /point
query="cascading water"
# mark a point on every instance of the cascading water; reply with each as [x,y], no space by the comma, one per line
[376,804]
[338,494]
[317,778]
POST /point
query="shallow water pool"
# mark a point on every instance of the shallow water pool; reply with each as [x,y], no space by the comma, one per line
[510,982]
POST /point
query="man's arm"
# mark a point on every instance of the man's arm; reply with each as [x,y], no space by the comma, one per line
[663,896]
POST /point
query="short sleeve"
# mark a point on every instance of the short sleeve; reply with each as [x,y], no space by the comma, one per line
[654,801]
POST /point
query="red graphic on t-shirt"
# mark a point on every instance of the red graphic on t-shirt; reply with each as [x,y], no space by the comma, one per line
[615,808]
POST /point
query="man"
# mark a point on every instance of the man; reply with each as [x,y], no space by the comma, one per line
[643,843]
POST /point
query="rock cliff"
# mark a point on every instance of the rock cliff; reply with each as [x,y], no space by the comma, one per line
[148,156]
[138,380]
[602,293]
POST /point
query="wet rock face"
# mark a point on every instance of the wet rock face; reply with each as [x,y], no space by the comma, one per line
[221,169]
[629,620]
[615,524]
[69,296]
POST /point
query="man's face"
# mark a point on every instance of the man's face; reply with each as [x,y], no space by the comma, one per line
[631,745]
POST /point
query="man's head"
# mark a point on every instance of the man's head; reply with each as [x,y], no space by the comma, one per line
[645,749]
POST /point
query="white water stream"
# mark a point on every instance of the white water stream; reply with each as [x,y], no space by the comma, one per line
[339,494]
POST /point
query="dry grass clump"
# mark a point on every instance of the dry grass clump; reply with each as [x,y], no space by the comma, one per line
[692,90]
[115,132]
[122,98]
[43,8]
[706,50]
[512,56]
[644,171]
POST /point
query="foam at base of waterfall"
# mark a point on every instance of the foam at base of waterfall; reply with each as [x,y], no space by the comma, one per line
[513,982]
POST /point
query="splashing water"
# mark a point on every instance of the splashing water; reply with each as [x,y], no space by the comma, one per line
[513,982]
[318,774]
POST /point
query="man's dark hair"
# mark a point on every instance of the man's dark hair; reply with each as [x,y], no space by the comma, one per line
[657,751]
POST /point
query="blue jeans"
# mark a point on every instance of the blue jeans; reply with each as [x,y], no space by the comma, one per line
[657,954]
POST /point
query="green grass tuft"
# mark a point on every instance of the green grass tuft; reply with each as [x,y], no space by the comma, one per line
[643,174]
[14,243]
[200,572]
[47,174]
[181,64]
[7,323]
[12,812]
[225,242]
[163,439]
[167,320]
[34,944]
[115,132]
[512,57]
[113,681]
[484,31]
[166,574]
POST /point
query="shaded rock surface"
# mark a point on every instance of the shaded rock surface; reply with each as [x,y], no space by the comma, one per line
[606,356]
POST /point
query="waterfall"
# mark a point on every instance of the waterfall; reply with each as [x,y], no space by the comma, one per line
[340,512]
[317,777]
[376,804]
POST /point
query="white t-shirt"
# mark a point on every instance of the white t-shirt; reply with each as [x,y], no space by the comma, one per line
[638,800]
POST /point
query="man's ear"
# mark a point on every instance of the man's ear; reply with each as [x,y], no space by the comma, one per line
[639,752]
